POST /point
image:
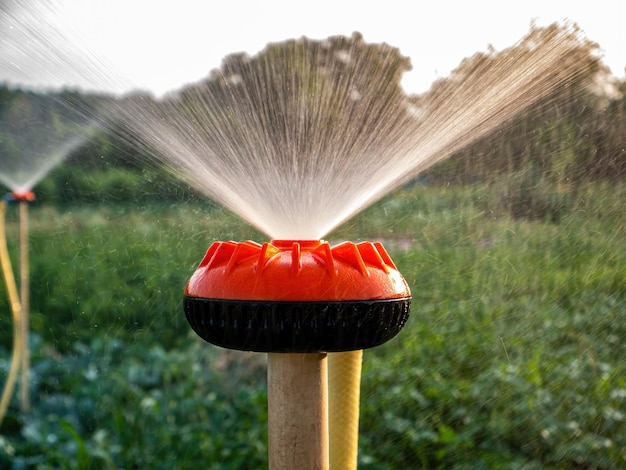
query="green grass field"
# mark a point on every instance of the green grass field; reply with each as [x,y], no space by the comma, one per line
[513,356]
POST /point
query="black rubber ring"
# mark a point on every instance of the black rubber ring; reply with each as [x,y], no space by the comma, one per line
[296,327]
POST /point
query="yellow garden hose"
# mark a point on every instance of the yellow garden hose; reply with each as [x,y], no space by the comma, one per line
[344,387]
[14,303]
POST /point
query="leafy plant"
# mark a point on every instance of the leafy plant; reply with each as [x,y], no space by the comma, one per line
[512,357]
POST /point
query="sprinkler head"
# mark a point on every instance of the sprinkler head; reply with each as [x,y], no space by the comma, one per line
[296,296]
[20,196]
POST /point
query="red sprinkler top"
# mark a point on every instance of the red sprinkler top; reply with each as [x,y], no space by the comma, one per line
[297,270]
[21,196]
[296,296]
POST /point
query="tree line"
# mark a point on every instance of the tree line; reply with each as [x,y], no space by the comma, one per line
[575,135]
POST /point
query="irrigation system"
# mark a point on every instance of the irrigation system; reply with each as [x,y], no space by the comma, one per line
[296,141]
[18,303]
[37,136]
[299,300]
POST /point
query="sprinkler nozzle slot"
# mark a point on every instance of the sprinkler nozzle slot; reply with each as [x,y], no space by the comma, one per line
[297,296]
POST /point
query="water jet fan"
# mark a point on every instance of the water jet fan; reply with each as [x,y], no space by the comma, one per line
[297,300]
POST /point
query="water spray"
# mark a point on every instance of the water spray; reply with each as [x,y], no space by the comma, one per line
[297,300]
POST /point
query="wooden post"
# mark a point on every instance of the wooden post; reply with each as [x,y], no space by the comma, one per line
[25,302]
[297,411]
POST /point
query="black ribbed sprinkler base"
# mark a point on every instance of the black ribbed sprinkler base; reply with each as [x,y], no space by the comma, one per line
[302,327]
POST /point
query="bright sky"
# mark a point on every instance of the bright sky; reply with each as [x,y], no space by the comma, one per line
[161,45]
